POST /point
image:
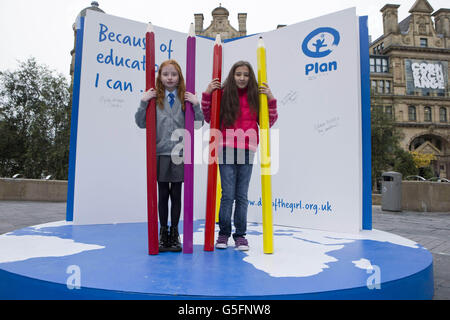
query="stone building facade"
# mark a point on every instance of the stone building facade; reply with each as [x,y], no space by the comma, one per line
[221,24]
[409,67]
[94,6]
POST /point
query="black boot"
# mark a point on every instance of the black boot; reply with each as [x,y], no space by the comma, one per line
[175,244]
[164,239]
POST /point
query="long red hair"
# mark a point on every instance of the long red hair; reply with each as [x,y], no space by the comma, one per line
[161,90]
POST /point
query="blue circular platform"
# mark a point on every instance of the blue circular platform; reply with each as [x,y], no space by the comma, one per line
[63,261]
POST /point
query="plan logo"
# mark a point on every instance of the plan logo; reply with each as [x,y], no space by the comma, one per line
[319,44]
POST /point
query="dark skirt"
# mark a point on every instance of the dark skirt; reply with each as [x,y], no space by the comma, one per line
[167,171]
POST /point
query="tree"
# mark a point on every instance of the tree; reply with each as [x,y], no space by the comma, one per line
[34,121]
[404,163]
[422,161]
[385,140]
[386,151]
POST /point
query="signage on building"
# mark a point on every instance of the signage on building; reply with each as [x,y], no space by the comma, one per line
[426,76]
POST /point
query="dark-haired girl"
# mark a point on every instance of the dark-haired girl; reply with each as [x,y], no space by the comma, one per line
[239,118]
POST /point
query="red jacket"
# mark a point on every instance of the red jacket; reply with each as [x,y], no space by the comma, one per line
[244,134]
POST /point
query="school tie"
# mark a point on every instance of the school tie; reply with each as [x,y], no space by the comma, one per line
[171,99]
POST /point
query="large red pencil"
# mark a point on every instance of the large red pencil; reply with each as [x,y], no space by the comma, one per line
[213,149]
[152,202]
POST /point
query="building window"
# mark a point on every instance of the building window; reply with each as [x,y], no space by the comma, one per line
[381,86]
[378,49]
[443,115]
[412,113]
[388,112]
[423,42]
[374,85]
[379,64]
[387,86]
[384,65]
[427,114]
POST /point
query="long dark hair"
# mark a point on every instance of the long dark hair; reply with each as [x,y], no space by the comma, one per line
[229,106]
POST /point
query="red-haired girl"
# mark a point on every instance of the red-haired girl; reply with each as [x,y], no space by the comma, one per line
[170,95]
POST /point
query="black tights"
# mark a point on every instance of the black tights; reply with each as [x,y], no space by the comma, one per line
[174,192]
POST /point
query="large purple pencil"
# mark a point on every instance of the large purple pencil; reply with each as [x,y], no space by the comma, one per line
[188,220]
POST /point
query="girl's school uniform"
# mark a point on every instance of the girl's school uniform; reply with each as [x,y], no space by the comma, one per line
[168,119]
[170,174]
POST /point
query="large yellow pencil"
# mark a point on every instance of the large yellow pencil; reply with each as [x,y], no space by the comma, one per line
[218,194]
[266,183]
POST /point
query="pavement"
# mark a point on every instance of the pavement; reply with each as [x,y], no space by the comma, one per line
[430,229]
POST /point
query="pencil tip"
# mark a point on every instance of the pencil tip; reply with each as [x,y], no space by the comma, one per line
[191,30]
[260,42]
[218,39]
[149,27]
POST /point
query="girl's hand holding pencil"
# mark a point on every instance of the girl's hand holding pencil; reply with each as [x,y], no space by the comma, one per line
[192,98]
[264,89]
[213,85]
[148,95]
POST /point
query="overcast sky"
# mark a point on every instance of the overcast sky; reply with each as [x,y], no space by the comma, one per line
[43,28]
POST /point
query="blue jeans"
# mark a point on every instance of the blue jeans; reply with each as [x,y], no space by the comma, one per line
[235,179]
